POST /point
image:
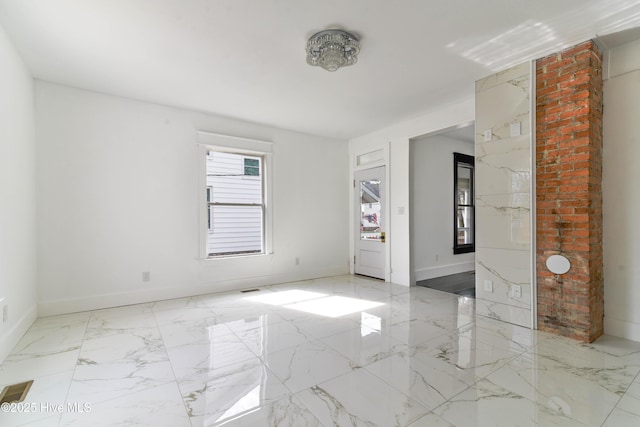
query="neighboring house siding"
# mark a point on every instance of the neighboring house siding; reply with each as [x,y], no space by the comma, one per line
[233,228]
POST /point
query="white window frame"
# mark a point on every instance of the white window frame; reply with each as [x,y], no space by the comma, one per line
[208,141]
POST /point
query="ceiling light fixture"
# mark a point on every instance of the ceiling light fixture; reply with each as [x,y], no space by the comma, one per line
[332,49]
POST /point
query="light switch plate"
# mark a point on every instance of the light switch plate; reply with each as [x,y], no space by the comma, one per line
[488,135]
[515,129]
[488,286]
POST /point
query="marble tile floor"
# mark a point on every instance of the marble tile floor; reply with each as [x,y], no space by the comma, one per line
[339,351]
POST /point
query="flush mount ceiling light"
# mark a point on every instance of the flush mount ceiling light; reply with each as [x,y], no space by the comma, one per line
[332,49]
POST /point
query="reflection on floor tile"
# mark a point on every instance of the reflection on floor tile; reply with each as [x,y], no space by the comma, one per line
[307,364]
[364,345]
[621,418]
[488,404]
[360,398]
[158,406]
[430,383]
[296,357]
[285,412]
[431,420]
[558,390]
[228,392]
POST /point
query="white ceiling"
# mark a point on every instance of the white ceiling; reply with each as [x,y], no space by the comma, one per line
[245,58]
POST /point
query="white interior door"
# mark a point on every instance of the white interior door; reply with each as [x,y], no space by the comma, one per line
[370,253]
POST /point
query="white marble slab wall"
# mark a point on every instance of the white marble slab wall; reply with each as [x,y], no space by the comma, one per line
[503,178]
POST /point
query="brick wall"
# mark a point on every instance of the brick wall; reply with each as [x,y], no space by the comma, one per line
[568,191]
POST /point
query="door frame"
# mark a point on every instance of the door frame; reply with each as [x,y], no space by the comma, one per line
[372,157]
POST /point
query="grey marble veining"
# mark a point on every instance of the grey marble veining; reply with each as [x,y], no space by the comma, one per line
[423,358]
[503,196]
[501,77]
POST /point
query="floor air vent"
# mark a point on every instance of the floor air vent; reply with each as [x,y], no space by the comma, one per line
[15,392]
[249,290]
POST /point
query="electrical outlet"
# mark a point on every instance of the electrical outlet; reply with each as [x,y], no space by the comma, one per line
[488,286]
[516,291]
[146,276]
[5,313]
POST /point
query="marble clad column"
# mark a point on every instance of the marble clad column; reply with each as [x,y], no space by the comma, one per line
[503,181]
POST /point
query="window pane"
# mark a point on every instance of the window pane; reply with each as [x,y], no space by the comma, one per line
[251,171]
[370,214]
[252,162]
[252,167]
[235,230]
[464,224]
[464,185]
[226,177]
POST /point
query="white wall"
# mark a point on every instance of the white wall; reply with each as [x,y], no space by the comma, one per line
[17,197]
[621,193]
[432,207]
[117,187]
[395,142]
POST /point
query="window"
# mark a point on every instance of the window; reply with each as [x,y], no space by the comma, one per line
[251,167]
[235,203]
[463,204]
[370,210]
[234,196]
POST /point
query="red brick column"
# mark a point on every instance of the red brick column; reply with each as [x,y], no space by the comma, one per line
[569,191]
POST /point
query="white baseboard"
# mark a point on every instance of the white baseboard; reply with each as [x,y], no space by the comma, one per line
[444,270]
[10,338]
[138,296]
[622,329]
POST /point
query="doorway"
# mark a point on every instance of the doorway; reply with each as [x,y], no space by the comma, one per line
[370,238]
[442,220]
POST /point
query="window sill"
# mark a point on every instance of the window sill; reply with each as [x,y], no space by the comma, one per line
[220,258]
